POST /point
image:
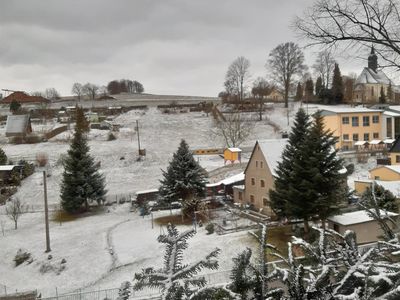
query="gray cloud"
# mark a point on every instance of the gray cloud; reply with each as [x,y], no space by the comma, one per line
[171,46]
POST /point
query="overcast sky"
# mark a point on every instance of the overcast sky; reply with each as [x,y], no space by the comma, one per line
[181,47]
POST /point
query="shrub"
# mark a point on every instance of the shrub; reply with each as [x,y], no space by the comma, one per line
[111,137]
[27,168]
[33,139]
[350,169]
[210,228]
[21,257]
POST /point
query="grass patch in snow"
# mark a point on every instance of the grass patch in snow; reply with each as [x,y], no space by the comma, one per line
[61,216]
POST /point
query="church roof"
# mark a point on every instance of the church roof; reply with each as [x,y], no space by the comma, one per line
[369,76]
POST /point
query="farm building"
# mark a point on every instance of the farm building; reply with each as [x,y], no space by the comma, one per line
[366,228]
[18,126]
[23,98]
[232,155]
[226,185]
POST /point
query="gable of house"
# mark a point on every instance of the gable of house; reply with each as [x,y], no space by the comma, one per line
[386,173]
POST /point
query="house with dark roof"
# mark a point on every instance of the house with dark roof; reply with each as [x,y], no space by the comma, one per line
[18,126]
[367,88]
[24,98]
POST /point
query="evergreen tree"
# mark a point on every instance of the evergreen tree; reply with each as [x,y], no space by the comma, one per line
[124,291]
[386,200]
[81,122]
[337,86]
[82,182]
[290,198]
[176,279]
[318,86]
[309,90]
[184,179]
[299,92]
[14,106]
[325,181]
[3,157]
[382,97]
[390,91]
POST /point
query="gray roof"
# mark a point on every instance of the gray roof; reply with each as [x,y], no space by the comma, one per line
[17,124]
[369,76]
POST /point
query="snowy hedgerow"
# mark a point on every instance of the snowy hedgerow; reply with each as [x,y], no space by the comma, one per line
[176,280]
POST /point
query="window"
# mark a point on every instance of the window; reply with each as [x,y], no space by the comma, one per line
[375,119]
[265,201]
[336,227]
[253,181]
[398,158]
[345,120]
[345,148]
[372,91]
[377,177]
[256,163]
[365,121]
[345,137]
[376,135]
[262,183]
[366,137]
[240,196]
[354,121]
[252,198]
[261,164]
[355,137]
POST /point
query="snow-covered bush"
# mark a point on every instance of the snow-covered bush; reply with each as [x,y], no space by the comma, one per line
[210,228]
[21,257]
[124,291]
[111,137]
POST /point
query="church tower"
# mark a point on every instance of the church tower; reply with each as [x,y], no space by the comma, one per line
[373,60]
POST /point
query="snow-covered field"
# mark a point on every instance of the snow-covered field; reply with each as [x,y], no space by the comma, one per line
[84,243]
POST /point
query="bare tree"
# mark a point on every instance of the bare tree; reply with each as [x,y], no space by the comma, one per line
[323,67]
[261,88]
[286,62]
[77,89]
[352,23]
[90,90]
[14,209]
[51,94]
[234,130]
[237,77]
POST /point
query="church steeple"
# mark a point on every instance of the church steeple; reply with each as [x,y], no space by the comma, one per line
[373,60]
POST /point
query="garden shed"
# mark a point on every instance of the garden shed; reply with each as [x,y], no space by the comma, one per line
[232,155]
[18,126]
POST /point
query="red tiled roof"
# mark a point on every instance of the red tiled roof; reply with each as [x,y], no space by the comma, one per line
[22,98]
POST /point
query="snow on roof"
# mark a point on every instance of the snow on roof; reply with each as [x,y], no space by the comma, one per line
[17,123]
[391,114]
[7,168]
[389,141]
[239,187]
[356,217]
[395,168]
[346,109]
[147,191]
[228,181]
[375,142]
[369,76]
[235,149]
[392,186]
[272,151]
[360,143]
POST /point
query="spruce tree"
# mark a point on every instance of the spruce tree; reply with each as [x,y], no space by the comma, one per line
[82,182]
[318,86]
[299,92]
[3,157]
[382,97]
[290,198]
[324,180]
[337,86]
[390,91]
[184,179]
[385,199]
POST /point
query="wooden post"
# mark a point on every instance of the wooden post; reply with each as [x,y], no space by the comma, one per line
[46,213]
[138,136]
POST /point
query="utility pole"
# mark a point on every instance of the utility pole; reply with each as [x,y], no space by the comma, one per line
[138,136]
[46,213]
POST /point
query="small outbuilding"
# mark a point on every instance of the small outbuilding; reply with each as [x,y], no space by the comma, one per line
[232,155]
[18,125]
[366,228]
[6,172]
[385,173]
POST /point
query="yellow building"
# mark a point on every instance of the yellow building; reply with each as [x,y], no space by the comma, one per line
[385,173]
[232,155]
[352,124]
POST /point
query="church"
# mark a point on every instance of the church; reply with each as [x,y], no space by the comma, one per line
[367,87]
